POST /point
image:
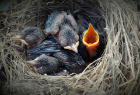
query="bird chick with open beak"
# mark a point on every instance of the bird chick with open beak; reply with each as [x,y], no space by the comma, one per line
[64,28]
[92,43]
[30,37]
[91,40]
[90,47]
[45,64]
[93,37]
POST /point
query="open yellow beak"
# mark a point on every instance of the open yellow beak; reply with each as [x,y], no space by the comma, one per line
[91,39]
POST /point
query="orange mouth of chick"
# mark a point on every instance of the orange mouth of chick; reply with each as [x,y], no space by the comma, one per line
[91,38]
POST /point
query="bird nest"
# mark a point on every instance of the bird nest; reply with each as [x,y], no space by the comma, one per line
[117,71]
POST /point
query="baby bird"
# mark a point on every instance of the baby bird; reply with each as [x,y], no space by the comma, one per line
[53,23]
[64,28]
[48,46]
[46,64]
[30,37]
[68,38]
[92,41]
[70,60]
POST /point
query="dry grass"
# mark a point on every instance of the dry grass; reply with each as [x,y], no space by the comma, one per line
[117,72]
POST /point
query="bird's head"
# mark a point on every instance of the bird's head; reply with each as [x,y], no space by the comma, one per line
[91,40]
[39,61]
[68,38]
[29,37]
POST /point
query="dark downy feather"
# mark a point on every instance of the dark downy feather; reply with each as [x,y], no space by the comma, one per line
[32,35]
[64,27]
[71,61]
[48,64]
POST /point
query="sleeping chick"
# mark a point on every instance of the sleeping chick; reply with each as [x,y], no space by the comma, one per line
[53,23]
[46,64]
[30,37]
[64,28]
[68,38]
[48,46]
[71,60]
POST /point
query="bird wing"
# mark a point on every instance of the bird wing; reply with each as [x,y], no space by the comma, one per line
[47,47]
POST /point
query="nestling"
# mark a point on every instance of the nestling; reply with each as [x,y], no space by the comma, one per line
[68,38]
[69,59]
[30,37]
[64,28]
[92,41]
[45,64]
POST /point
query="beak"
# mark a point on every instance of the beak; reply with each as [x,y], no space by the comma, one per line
[73,47]
[91,40]
[31,63]
[19,38]
[23,42]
